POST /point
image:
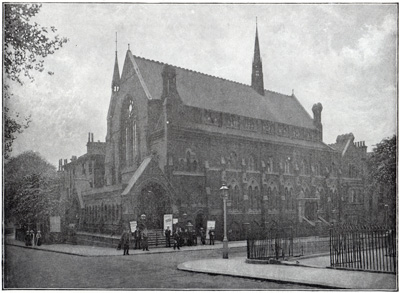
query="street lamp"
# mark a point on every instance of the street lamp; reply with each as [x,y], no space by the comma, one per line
[224,191]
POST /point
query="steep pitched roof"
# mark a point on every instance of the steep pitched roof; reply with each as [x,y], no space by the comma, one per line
[213,93]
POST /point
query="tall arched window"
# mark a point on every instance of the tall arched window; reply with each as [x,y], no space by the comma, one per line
[129,134]
[250,195]
[267,193]
[254,195]
[234,195]
[257,197]
[275,198]
[287,198]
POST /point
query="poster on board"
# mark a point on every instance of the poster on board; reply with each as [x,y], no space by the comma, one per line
[133,225]
[55,224]
[168,221]
[210,226]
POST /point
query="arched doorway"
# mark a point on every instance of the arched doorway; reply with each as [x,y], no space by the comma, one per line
[154,203]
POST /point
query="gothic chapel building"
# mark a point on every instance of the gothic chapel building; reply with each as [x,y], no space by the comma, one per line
[174,136]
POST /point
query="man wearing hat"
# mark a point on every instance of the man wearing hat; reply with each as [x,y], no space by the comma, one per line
[125,241]
[202,236]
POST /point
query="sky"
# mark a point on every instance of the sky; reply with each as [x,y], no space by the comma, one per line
[342,56]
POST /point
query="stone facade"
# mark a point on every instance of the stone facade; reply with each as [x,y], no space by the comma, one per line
[174,136]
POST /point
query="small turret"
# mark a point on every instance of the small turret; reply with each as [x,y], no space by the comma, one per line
[317,109]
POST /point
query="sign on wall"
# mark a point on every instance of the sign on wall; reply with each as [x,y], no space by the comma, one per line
[210,226]
[133,225]
[168,221]
[55,224]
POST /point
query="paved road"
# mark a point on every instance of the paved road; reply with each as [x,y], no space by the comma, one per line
[26,268]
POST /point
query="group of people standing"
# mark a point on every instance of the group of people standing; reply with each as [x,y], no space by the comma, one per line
[32,238]
[179,238]
[184,237]
[140,238]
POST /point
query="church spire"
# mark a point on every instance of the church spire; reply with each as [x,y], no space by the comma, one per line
[257,79]
[116,78]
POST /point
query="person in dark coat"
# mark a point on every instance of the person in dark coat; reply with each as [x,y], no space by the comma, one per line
[125,241]
[27,238]
[176,239]
[168,237]
[202,236]
[32,238]
[211,233]
[145,240]
[137,237]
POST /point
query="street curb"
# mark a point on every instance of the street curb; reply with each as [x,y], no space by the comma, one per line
[48,250]
[115,255]
[325,286]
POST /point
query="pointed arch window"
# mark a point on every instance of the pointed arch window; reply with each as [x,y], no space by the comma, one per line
[234,195]
[129,134]
[254,195]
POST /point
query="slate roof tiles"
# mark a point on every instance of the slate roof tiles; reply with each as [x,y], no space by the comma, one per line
[218,94]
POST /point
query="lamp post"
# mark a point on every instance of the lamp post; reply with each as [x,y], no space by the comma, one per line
[224,191]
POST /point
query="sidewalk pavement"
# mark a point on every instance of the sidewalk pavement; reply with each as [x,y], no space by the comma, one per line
[308,271]
[84,250]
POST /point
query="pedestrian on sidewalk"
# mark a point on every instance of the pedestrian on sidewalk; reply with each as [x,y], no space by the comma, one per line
[211,233]
[32,238]
[38,238]
[145,242]
[27,238]
[137,237]
[125,241]
[168,237]
[202,236]
[176,239]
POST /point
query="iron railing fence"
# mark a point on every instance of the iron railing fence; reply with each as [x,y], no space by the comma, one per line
[272,244]
[363,248]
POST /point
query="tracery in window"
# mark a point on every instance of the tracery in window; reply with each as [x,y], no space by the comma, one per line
[129,134]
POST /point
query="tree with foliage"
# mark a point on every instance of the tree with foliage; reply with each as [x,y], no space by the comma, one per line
[31,189]
[26,45]
[383,174]
[382,162]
